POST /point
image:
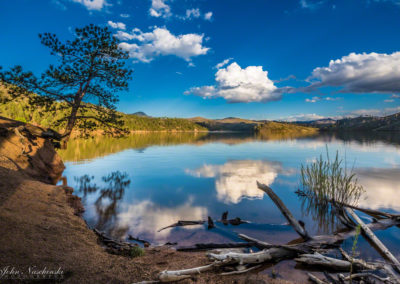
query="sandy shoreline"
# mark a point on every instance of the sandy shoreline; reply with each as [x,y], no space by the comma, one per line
[42,231]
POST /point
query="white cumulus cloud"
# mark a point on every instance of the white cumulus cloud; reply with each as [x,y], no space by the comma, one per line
[146,217]
[195,13]
[236,180]
[235,84]
[208,16]
[192,13]
[118,25]
[160,41]
[361,73]
[382,188]
[162,9]
[92,4]
[373,112]
[303,117]
[223,63]
[159,8]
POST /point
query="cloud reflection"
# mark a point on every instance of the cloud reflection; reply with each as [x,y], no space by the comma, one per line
[236,180]
[382,188]
[146,218]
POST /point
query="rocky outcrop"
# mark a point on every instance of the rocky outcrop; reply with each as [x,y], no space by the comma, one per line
[29,149]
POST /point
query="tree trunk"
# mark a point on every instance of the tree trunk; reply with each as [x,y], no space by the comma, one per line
[72,117]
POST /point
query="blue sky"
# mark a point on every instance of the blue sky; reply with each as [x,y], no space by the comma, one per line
[277,53]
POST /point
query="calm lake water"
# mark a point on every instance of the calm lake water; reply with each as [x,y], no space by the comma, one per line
[161,178]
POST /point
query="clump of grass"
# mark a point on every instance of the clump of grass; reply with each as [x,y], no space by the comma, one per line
[136,252]
[324,182]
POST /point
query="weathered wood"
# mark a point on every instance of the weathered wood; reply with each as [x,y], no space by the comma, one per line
[360,262]
[315,279]
[275,253]
[114,246]
[370,212]
[278,253]
[285,211]
[368,274]
[225,250]
[176,275]
[374,239]
[258,243]
[317,259]
[241,271]
[199,247]
[224,218]
[265,245]
[237,221]
[144,242]
[330,240]
[272,254]
[211,224]
[183,223]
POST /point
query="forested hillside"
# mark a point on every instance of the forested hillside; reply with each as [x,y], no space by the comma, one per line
[19,109]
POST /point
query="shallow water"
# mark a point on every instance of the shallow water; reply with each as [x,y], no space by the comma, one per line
[162,178]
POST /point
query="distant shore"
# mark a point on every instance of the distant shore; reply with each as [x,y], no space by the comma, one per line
[41,226]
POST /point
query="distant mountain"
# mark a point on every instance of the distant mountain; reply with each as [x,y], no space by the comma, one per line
[284,130]
[324,121]
[140,113]
[226,124]
[360,123]
[375,123]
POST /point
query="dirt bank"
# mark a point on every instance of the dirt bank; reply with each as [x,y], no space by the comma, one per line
[41,230]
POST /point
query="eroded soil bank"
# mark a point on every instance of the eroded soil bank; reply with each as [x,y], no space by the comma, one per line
[41,229]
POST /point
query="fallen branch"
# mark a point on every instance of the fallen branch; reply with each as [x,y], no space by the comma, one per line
[370,212]
[360,262]
[272,254]
[144,242]
[368,274]
[199,247]
[330,262]
[374,239]
[211,224]
[258,243]
[315,279]
[183,223]
[306,249]
[265,245]
[241,270]
[288,215]
[176,275]
[114,246]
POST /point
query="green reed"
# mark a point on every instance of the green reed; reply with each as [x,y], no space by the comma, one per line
[327,181]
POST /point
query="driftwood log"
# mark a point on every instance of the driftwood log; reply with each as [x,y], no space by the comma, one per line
[200,247]
[114,246]
[235,222]
[182,223]
[374,239]
[305,250]
[144,242]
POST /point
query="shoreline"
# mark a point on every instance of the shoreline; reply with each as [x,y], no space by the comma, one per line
[42,226]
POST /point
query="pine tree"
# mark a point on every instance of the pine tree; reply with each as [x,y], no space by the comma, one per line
[90,72]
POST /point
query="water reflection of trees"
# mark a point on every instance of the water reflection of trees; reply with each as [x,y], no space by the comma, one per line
[106,205]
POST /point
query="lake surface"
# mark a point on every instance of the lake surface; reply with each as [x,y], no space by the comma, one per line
[148,181]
